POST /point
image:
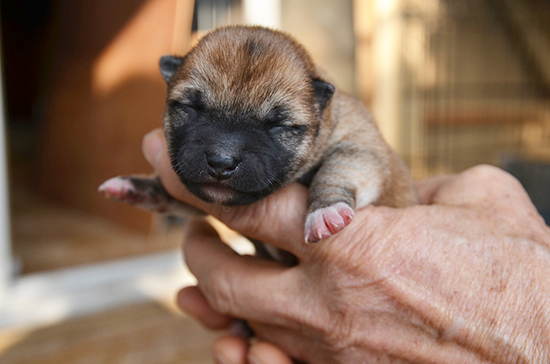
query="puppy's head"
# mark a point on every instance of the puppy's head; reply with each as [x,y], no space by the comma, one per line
[243,110]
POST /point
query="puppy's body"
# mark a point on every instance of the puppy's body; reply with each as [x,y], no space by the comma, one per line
[248,112]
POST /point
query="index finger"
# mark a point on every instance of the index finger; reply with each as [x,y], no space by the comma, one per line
[277,219]
[494,192]
[428,188]
[241,286]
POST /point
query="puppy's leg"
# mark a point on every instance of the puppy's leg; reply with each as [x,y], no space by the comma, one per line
[348,179]
[147,193]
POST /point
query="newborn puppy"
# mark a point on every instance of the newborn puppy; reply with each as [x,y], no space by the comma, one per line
[247,112]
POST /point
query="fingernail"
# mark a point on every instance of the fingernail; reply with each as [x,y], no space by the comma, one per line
[253,360]
[152,147]
[218,359]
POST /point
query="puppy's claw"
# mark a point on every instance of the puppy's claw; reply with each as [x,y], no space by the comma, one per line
[325,222]
[120,189]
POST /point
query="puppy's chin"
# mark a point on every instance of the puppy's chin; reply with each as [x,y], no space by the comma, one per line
[219,194]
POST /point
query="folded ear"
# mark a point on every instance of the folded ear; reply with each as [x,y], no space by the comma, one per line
[168,66]
[323,91]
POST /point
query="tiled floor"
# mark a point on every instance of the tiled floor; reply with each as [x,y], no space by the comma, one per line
[148,333]
[145,333]
[48,236]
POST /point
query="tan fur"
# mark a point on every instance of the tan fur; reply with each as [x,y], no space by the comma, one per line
[235,70]
[368,155]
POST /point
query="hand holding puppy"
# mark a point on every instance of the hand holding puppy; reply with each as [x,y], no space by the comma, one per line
[247,113]
[462,278]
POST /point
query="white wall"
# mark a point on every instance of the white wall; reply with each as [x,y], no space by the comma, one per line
[5,236]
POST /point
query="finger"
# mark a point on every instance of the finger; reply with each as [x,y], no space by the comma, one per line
[282,343]
[263,352]
[284,211]
[192,301]
[277,219]
[484,186]
[230,350]
[428,188]
[155,151]
[243,287]
[495,193]
[152,146]
[235,350]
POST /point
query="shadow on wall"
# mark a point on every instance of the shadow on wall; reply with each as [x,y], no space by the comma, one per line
[535,178]
[83,88]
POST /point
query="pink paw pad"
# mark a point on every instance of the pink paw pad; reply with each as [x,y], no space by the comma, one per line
[325,222]
[121,189]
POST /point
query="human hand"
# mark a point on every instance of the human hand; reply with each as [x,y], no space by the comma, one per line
[460,279]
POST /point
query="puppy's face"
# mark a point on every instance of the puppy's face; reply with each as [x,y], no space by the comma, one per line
[243,110]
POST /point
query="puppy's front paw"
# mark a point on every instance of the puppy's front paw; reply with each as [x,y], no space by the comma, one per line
[145,192]
[327,221]
[122,189]
[125,189]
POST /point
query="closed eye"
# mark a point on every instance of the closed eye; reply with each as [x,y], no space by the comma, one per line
[181,107]
[278,116]
[288,128]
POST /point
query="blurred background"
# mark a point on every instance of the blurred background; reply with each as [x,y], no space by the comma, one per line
[452,83]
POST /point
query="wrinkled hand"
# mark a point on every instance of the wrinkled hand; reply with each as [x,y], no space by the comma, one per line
[463,278]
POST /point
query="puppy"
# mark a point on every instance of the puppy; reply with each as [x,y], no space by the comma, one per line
[247,112]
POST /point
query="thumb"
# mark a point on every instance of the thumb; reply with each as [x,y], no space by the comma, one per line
[277,219]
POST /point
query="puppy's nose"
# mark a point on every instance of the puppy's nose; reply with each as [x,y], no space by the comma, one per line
[221,166]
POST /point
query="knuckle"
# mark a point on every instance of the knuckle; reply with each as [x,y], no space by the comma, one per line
[336,320]
[488,172]
[339,333]
[219,291]
[245,218]
[488,175]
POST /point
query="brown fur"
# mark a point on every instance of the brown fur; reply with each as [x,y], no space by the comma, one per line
[235,78]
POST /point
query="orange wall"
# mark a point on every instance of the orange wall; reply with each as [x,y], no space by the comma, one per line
[104,94]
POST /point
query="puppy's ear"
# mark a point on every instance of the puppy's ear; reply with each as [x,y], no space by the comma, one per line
[323,91]
[168,66]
